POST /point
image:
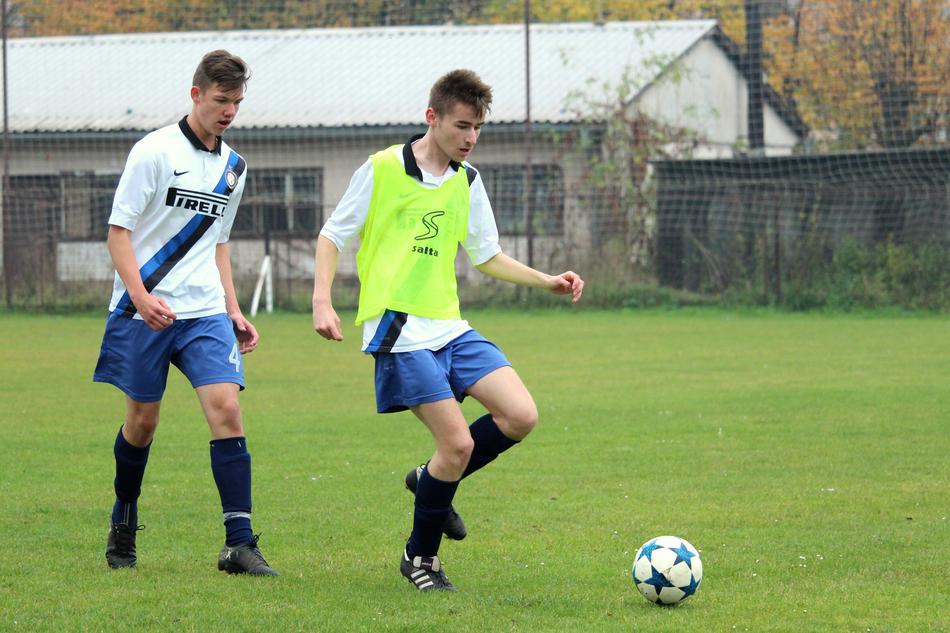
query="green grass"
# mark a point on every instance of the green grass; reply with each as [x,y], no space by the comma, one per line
[806,456]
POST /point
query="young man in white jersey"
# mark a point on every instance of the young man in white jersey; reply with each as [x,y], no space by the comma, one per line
[174,302]
[412,205]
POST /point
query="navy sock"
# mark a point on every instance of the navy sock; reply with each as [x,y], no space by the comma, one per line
[231,467]
[130,464]
[433,500]
[490,442]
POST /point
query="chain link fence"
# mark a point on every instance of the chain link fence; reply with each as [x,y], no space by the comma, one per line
[772,151]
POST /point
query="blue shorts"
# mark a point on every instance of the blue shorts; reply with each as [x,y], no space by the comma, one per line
[405,379]
[135,358]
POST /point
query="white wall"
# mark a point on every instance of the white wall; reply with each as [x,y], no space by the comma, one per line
[706,93]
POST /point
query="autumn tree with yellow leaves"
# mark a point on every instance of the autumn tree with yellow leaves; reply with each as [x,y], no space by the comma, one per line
[871,72]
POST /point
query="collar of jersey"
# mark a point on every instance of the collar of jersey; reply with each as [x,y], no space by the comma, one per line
[412,168]
[193,138]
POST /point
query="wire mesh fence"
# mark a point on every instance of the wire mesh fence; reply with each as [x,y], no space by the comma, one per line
[777,151]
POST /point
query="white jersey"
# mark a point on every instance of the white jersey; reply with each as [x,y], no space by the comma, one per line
[410,332]
[179,200]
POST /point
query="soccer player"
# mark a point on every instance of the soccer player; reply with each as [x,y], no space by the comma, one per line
[174,302]
[412,205]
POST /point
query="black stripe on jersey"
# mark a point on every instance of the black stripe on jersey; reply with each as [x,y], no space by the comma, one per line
[240,167]
[392,334]
[471,174]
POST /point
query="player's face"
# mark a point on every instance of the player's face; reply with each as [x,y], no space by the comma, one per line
[456,132]
[215,108]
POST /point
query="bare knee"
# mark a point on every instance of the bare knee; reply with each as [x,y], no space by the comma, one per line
[456,454]
[141,420]
[224,418]
[517,422]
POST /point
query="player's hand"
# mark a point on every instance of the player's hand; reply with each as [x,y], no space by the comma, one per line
[326,322]
[155,312]
[569,283]
[245,332]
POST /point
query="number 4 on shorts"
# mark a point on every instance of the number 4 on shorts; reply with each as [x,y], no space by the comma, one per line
[235,358]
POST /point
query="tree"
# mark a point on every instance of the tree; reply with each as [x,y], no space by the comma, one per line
[77,17]
[728,12]
[877,72]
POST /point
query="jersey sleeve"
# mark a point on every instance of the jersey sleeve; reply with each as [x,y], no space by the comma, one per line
[481,242]
[234,201]
[351,212]
[138,184]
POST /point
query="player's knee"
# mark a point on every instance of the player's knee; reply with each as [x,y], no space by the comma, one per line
[459,452]
[519,422]
[226,416]
[140,426]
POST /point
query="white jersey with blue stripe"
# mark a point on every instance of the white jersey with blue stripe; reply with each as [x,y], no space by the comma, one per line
[179,201]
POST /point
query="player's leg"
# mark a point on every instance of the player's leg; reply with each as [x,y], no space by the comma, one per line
[469,360]
[134,358]
[418,380]
[208,356]
[230,459]
[435,489]
[131,448]
[512,415]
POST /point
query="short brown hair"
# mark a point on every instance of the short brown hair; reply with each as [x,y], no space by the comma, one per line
[222,68]
[460,86]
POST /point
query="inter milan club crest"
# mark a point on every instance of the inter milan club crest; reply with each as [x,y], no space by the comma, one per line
[231,178]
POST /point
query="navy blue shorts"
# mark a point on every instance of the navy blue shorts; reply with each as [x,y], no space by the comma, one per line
[135,358]
[405,379]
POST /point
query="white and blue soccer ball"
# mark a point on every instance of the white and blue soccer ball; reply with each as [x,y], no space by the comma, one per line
[667,570]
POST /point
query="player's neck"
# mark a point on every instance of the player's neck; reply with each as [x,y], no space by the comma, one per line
[208,138]
[429,156]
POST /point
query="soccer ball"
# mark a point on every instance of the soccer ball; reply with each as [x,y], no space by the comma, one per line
[667,570]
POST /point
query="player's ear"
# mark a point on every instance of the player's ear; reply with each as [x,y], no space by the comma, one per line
[431,117]
[195,93]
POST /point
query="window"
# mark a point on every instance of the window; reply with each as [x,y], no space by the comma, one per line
[280,201]
[32,207]
[505,186]
[87,204]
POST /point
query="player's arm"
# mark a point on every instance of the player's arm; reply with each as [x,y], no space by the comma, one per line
[345,221]
[481,244]
[326,322]
[511,270]
[155,312]
[244,330]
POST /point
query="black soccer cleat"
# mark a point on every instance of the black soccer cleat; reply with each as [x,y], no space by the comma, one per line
[245,559]
[425,573]
[454,526]
[120,548]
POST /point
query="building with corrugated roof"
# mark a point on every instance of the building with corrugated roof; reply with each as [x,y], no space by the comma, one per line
[321,100]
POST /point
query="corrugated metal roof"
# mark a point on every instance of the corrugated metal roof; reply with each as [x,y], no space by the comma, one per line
[329,77]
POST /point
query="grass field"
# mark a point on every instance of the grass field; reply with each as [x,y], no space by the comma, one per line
[806,456]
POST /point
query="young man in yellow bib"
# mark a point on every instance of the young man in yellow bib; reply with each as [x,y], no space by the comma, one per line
[412,206]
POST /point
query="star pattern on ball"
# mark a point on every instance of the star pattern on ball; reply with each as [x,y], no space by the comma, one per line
[683,555]
[657,579]
[647,549]
[691,588]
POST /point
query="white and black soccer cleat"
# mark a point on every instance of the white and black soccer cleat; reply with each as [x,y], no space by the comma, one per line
[425,573]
